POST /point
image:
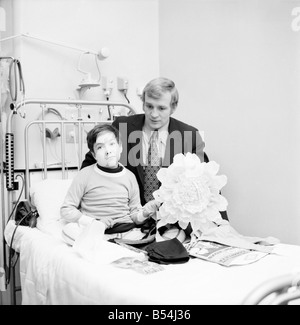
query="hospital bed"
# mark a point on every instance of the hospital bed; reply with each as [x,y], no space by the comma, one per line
[51,272]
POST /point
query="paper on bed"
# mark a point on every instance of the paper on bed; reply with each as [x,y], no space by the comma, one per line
[224,255]
[92,246]
[225,234]
[138,264]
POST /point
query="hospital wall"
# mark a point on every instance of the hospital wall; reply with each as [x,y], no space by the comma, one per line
[236,64]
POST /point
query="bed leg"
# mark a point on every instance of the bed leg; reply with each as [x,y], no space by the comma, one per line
[12,287]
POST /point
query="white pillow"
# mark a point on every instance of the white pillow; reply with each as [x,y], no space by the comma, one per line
[48,196]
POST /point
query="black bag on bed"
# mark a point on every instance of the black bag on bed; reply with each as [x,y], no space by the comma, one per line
[26,214]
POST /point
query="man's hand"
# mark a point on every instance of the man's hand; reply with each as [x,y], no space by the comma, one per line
[150,208]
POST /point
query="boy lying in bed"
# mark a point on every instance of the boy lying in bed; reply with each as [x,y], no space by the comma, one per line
[106,190]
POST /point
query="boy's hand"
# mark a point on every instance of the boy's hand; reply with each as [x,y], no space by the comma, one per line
[108,222]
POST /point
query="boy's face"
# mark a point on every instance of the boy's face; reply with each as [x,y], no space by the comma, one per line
[107,150]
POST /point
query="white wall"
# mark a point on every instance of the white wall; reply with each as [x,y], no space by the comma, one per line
[236,65]
[128,28]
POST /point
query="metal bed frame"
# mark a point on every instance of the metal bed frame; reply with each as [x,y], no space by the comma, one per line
[281,290]
[7,168]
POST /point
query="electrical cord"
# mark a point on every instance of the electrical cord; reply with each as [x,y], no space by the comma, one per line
[10,247]
[11,250]
[98,68]
[15,65]
[109,110]
[125,95]
[19,197]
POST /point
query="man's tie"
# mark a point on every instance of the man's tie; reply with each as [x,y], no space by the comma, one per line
[151,183]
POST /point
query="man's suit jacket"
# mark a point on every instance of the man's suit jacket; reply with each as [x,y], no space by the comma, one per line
[182,138]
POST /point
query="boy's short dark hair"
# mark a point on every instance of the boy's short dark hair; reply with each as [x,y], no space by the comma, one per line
[99,128]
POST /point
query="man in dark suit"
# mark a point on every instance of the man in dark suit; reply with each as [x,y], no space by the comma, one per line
[160,100]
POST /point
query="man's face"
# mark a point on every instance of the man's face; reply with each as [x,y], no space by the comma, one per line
[107,150]
[157,111]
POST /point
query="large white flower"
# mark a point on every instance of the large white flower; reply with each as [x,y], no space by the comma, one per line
[190,193]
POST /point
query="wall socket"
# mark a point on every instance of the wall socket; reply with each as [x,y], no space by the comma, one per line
[107,83]
[107,86]
[122,83]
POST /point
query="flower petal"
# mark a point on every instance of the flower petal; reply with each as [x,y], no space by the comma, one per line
[212,167]
[219,181]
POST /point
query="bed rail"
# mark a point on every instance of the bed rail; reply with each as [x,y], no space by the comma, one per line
[62,102]
[281,290]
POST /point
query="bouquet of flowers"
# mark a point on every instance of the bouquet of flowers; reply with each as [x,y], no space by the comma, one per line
[190,194]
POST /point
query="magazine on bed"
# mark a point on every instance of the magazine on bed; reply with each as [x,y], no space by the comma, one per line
[222,254]
[137,264]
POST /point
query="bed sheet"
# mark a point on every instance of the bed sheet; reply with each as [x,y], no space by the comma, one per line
[53,273]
